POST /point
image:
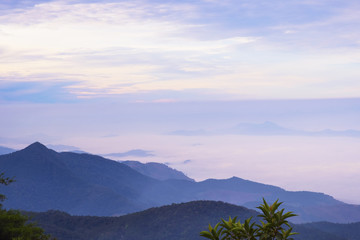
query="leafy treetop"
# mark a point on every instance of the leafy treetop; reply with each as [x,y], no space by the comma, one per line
[14,225]
[5,181]
[274,226]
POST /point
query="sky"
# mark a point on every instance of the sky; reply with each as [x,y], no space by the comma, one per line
[212,88]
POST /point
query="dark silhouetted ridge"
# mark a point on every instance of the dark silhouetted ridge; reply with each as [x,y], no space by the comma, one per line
[75,183]
[37,153]
[37,149]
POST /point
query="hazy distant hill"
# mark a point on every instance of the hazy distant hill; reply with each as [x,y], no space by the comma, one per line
[76,183]
[131,153]
[64,148]
[5,150]
[310,206]
[176,222]
[347,231]
[87,184]
[157,170]
[268,129]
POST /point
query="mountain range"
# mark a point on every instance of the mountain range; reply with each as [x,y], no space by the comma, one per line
[268,129]
[85,184]
[131,153]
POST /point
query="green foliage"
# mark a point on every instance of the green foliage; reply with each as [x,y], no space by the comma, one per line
[14,225]
[274,226]
[5,181]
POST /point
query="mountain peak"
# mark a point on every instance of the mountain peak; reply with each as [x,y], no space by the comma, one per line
[36,146]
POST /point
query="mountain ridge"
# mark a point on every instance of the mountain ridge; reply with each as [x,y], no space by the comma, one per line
[86,184]
[157,170]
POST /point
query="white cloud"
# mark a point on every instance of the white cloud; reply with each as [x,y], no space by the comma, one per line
[179,46]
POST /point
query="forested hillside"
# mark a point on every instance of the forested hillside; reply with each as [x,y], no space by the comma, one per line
[176,222]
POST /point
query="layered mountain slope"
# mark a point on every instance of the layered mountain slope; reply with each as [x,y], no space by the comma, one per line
[157,170]
[76,183]
[310,206]
[6,150]
[91,185]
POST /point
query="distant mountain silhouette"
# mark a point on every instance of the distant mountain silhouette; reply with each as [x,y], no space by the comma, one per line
[350,231]
[131,153]
[176,222]
[64,148]
[199,132]
[267,129]
[157,170]
[310,206]
[85,184]
[76,183]
[6,150]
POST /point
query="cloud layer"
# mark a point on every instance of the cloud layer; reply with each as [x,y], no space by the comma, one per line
[240,50]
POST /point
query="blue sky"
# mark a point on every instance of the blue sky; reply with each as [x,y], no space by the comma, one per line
[112,76]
